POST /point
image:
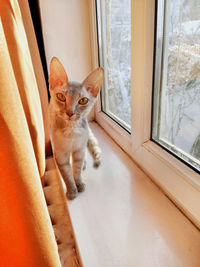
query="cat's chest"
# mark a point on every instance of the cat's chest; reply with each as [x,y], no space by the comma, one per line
[75,134]
[72,139]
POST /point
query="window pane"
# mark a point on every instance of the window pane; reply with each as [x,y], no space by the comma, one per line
[114,29]
[176,111]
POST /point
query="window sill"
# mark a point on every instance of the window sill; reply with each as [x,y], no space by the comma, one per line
[123,219]
[176,179]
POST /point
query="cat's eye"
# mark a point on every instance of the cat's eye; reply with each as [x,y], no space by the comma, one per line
[61,97]
[83,101]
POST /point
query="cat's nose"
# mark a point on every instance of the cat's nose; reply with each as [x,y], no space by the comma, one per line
[69,113]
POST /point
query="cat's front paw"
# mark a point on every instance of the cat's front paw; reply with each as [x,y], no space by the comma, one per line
[96,163]
[71,194]
[80,187]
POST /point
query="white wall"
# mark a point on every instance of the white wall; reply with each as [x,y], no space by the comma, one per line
[66,31]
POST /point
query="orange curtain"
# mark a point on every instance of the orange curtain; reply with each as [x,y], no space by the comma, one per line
[26,235]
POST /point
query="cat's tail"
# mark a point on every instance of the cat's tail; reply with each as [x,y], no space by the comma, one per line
[94,149]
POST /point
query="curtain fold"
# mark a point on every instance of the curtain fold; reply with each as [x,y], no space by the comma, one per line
[38,69]
[26,234]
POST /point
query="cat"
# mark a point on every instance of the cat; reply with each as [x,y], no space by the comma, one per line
[69,107]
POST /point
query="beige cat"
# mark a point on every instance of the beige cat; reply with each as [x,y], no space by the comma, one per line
[70,105]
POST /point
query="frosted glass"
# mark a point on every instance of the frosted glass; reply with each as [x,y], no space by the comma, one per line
[115,50]
[176,123]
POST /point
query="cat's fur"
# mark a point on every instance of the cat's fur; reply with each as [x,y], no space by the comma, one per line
[69,126]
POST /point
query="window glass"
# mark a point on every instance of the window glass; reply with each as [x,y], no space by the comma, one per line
[176,102]
[114,32]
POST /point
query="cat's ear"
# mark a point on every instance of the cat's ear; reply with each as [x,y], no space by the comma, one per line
[93,81]
[58,76]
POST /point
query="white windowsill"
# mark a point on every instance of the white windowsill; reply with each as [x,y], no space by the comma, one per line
[124,220]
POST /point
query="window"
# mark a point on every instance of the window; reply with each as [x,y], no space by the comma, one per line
[151,138]
[114,22]
[176,123]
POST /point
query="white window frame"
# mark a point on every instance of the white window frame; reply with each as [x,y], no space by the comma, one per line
[178,181]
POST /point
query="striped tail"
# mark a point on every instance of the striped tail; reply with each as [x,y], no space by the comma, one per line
[94,149]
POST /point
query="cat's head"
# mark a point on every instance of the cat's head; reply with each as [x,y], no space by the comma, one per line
[73,100]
